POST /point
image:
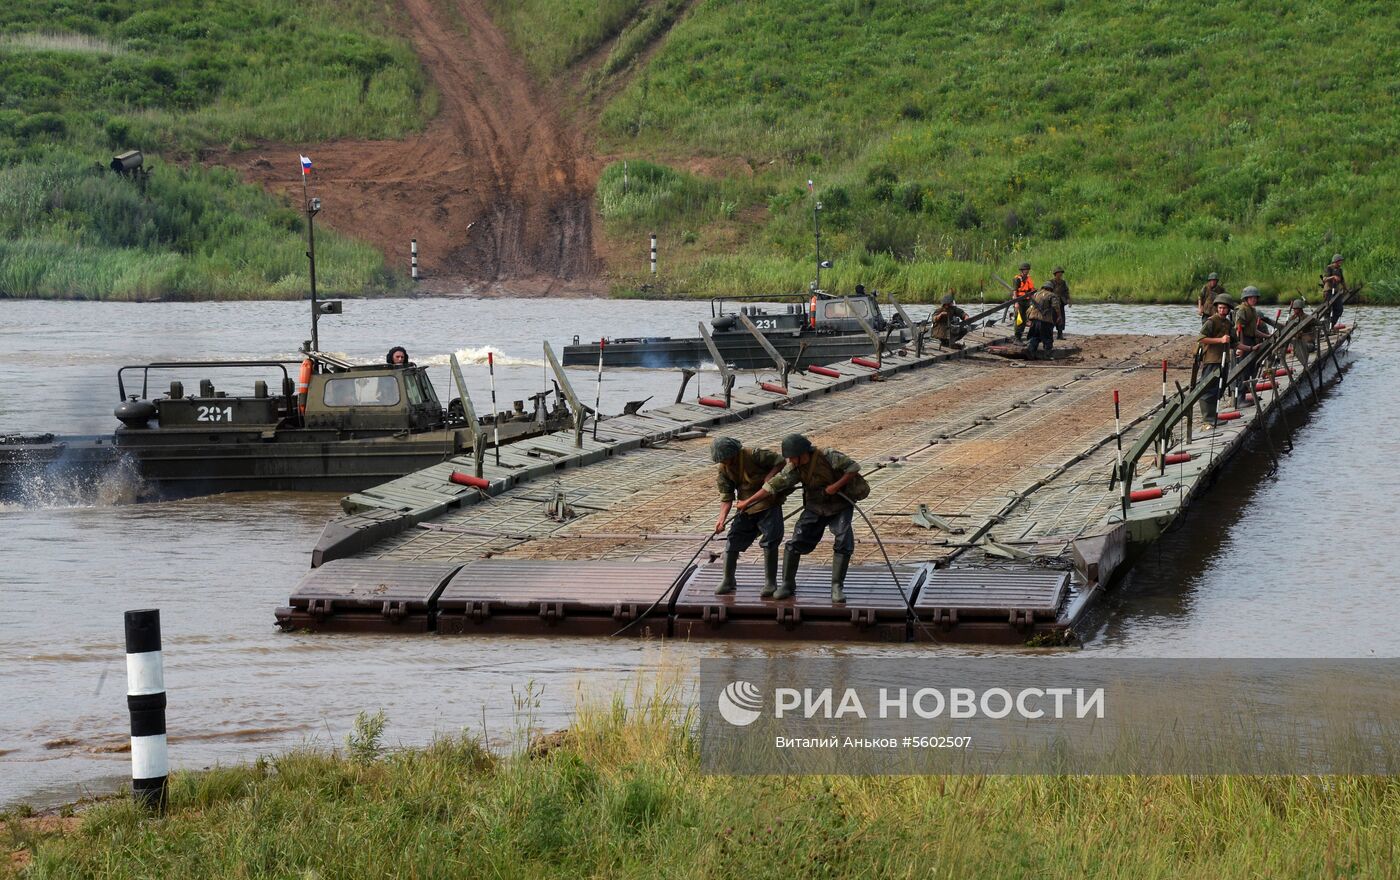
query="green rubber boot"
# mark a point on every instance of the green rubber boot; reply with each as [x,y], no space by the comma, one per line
[839,563]
[770,572]
[789,585]
[727,584]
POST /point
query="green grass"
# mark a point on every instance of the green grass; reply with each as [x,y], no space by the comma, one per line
[1141,144]
[621,795]
[79,81]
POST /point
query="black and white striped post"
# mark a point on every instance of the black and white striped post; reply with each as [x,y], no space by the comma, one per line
[653,253]
[413,256]
[145,700]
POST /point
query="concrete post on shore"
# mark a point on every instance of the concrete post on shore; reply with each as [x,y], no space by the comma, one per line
[145,701]
[413,257]
[653,253]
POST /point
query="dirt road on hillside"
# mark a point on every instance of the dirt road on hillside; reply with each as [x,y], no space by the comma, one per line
[498,190]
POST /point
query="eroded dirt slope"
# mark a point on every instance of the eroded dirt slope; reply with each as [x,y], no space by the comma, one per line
[498,190]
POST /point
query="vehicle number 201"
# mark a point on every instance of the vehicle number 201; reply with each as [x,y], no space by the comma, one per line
[214,414]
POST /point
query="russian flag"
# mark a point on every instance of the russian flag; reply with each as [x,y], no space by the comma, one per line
[305,165]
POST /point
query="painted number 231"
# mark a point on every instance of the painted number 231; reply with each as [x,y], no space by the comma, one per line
[768,324]
[214,414]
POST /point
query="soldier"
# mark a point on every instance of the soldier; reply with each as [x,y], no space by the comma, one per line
[1023,286]
[742,473]
[1249,332]
[1044,314]
[1217,334]
[1334,289]
[1058,287]
[1206,301]
[831,484]
[398,357]
[949,323]
[1305,342]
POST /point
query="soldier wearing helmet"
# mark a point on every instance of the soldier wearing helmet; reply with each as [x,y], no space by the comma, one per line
[742,471]
[1334,288]
[1058,287]
[1249,334]
[1217,335]
[1205,302]
[949,323]
[1044,313]
[1305,340]
[831,484]
[1022,289]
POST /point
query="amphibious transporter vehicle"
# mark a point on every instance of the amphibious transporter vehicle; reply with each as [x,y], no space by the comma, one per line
[341,428]
[822,330]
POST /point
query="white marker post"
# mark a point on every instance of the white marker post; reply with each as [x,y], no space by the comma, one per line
[653,253]
[413,256]
[598,396]
[495,411]
[145,701]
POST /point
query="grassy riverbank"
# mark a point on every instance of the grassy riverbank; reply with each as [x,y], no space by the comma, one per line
[1141,145]
[83,81]
[621,795]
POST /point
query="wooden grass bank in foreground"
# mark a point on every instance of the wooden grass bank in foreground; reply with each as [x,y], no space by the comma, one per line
[620,794]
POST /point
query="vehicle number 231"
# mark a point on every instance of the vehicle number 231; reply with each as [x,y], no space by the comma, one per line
[766,324]
[213,414]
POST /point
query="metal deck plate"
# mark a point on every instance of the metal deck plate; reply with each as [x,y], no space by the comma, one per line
[366,595]
[870,591]
[993,592]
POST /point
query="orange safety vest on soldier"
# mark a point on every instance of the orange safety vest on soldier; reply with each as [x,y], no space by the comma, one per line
[1024,285]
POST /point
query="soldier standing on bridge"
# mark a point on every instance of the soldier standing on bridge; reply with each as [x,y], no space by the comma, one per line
[742,473]
[1205,303]
[1044,314]
[1305,341]
[949,323]
[831,484]
[1058,287]
[1334,289]
[1250,332]
[1217,335]
[1023,287]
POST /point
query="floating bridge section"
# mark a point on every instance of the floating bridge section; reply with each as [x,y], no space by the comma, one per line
[995,491]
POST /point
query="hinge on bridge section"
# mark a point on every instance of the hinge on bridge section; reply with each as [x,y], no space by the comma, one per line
[551,612]
[1020,617]
[394,610]
[944,617]
[714,614]
[863,617]
[789,615]
[478,612]
[626,612]
[319,608]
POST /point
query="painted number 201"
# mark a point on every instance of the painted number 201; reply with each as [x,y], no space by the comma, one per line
[214,414]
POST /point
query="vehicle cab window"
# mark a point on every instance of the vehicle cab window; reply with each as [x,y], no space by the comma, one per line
[362,391]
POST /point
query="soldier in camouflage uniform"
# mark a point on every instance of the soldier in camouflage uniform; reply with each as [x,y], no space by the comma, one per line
[949,323]
[1058,287]
[1217,335]
[1206,301]
[1023,287]
[1249,333]
[831,483]
[1044,314]
[741,473]
[1305,342]
[1334,289]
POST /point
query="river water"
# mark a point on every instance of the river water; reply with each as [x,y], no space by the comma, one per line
[1285,566]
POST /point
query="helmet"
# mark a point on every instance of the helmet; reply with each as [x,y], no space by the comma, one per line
[1336,258]
[724,448]
[795,445]
[860,290]
[1300,304]
[1222,298]
[1213,277]
[1025,266]
[1058,270]
[1249,291]
[947,299]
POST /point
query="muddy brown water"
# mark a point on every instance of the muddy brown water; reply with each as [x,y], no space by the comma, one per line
[1293,565]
